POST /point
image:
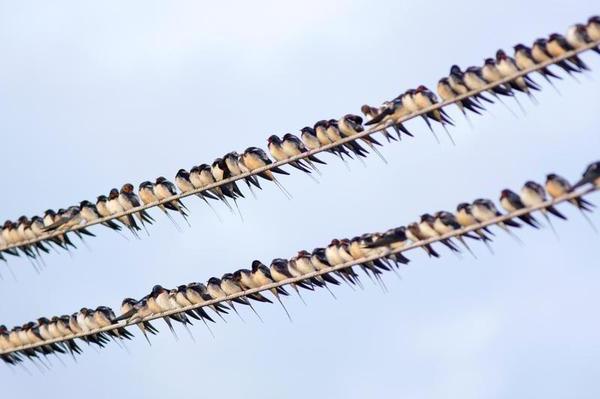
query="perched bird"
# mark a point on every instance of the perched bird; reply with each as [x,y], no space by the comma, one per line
[89,213]
[511,202]
[484,210]
[261,275]
[184,184]
[558,186]
[129,200]
[578,37]
[275,146]
[593,28]
[350,125]
[508,68]
[591,176]
[372,112]
[524,60]
[533,194]
[293,146]
[114,207]
[557,46]
[389,114]
[164,189]
[255,158]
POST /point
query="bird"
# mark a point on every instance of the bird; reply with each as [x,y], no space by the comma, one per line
[590,176]
[511,202]
[372,112]
[89,213]
[484,210]
[292,146]
[255,158]
[533,194]
[114,207]
[351,125]
[164,189]
[578,37]
[508,68]
[220,172]
[557,46]
[262,276]
[129,200]
[184,184]
[593,28]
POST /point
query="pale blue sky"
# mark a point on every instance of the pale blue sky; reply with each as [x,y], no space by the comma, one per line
[93,95]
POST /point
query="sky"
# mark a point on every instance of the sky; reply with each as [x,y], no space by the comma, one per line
[94,95]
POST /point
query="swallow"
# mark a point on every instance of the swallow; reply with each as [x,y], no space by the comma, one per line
[220,172]
[303,262]
[61,240]
[129,200]
[591,175]
[320,131]
[275,147]
[540,53]
[414,234]
[5,345]
[159,301]
[292,146]
[236,168]
[446,223]
[148,196]
[89,213]
[78,325]
[181,298]
[114,207]
[230,287]
[480,211]
[213,287]
[425,98]
[350,125]
[255,158]
[201,176]
[426,227]
[448,94]
[511,202]
[533,194]
[320,261]
[557,46]
[280,271]
[299,270]
[508,68]
[484,210]
[358,248]
[131,307]
[389,114]
[28,233]
[164,189]
[459,84]
[185,185]
[243,278]
[558,186]
[371,113]
[197,294]
[525,60]
[593,28]
[578,37]
[104,316]
[262,276]
[334,134]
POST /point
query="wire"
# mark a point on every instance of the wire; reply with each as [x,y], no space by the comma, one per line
[305,154]
[385,252]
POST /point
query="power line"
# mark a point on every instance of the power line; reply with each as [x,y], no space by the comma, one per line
[385,252]
[304,155]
